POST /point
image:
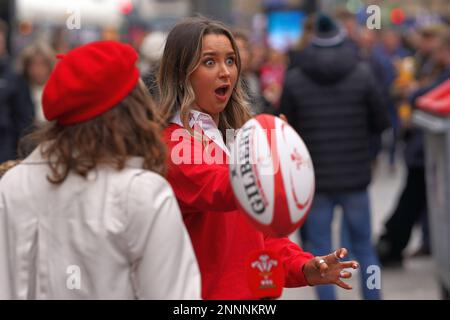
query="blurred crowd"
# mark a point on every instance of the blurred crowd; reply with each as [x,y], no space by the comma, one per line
[394,67]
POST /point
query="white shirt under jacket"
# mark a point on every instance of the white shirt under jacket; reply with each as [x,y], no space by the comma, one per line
[114,235]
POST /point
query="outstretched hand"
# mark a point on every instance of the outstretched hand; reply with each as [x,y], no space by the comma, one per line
[329,269]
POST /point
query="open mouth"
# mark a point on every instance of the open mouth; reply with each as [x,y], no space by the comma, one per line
[222,90]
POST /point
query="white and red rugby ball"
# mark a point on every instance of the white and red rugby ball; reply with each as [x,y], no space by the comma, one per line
[272,175]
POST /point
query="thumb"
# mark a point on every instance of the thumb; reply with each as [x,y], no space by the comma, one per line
[283,117]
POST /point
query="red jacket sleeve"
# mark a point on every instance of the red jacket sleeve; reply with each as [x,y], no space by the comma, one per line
[199,186]
[293,258]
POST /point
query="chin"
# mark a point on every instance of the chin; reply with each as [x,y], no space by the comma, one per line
[219,108]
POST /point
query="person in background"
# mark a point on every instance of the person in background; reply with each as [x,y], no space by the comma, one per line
[151,52]
[258,52]
[349,23]
[304,41]
[414,72]
[364,45]
[333,101]
[88,215]
[16,107]
[202,98]
[426,67]
[388,53]
[250,80]
[36,64]
[59,40]
[366,42]
[272,78]
[412,205]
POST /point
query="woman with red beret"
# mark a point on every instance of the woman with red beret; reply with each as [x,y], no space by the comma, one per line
[88,215]
[201,98]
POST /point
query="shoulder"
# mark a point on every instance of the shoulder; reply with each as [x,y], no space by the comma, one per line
[148,181]
[12,172]
[181,141]
[148,196]
[147,187]
[8,165]
[174,132]
[171,127]
[294,75]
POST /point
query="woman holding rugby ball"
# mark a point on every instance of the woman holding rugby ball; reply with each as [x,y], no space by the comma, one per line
[201,97]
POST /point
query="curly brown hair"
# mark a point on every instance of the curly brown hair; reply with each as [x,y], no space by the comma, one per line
[132,128]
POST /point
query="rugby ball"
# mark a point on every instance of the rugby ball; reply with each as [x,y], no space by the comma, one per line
[272,175]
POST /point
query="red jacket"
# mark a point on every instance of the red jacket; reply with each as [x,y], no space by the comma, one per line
[222,237]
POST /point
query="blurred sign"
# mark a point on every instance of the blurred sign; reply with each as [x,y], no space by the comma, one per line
[91,12]
[284,29]
[158,8]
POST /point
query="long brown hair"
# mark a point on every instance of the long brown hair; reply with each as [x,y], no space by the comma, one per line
[131,128]
[181,57]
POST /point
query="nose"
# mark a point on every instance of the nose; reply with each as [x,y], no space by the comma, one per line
[224,71]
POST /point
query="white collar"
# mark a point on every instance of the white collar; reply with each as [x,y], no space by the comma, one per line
[207,124]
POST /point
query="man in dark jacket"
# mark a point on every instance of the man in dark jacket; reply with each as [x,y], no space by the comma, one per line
[16,106]
[335,104]
[412,204]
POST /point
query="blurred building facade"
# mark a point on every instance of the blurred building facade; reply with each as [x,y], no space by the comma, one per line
[130,19]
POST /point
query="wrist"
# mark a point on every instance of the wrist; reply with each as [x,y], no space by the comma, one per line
[305,273]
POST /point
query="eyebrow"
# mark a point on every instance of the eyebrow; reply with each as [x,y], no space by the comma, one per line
[214,53]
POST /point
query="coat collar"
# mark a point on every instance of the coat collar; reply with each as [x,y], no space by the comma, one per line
[206,123]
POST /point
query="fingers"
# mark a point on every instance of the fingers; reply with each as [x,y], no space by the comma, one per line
[345,275]
[336,255]
[318,261]
[340,253]
[283,117]
[321,265]
[350,264]
[329,263]
[344,285]
[323,269]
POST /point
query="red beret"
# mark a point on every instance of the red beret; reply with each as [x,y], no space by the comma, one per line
[90,80]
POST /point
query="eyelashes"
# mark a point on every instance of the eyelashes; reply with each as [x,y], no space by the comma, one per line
[211,62]
[230,61]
